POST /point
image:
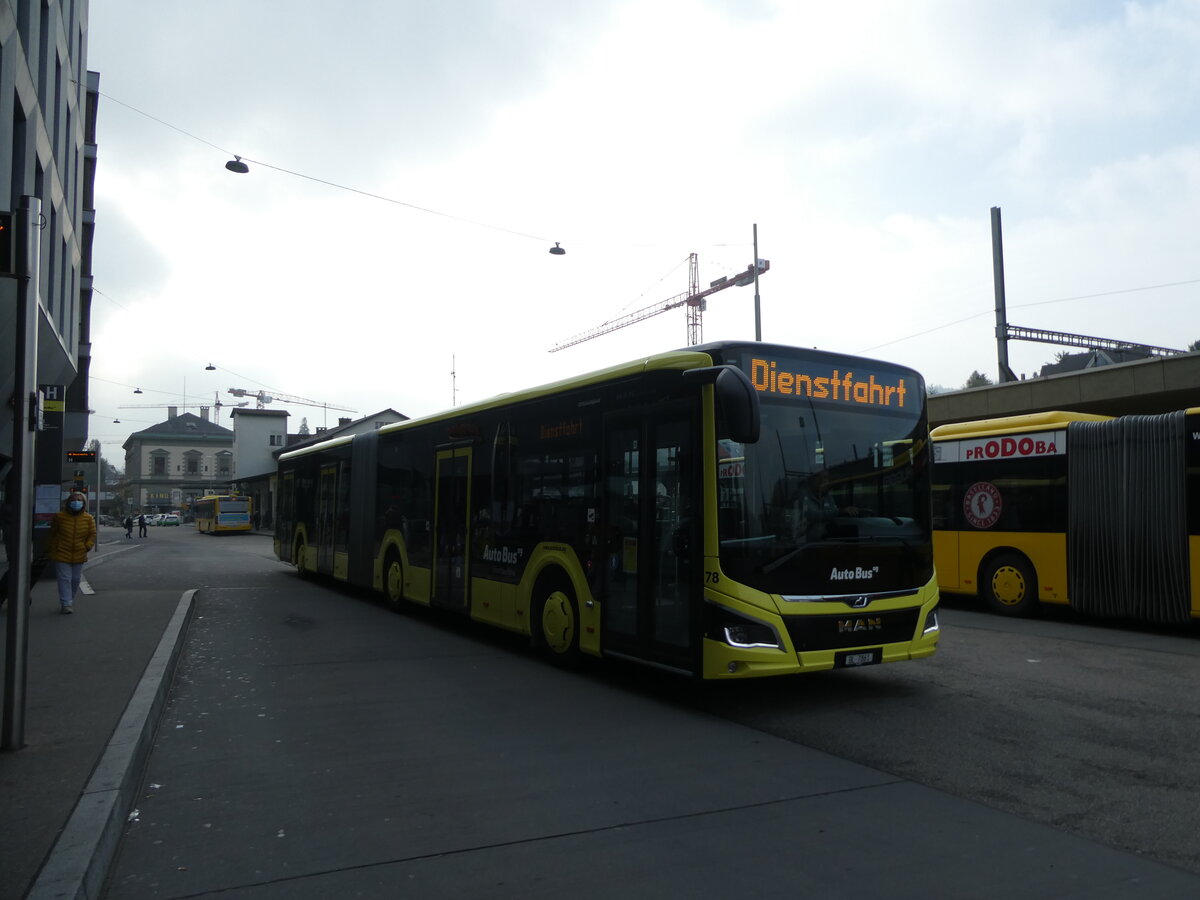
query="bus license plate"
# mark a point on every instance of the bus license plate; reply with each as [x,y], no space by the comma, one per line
[858,658]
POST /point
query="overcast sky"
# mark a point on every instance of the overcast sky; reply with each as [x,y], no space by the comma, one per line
[415,161]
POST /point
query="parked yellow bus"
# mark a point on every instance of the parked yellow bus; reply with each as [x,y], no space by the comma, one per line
[223,514]
[1098,513]
[658,511]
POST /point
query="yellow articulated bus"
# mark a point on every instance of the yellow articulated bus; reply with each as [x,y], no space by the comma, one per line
[730,510]
[1095,512]
[223,514]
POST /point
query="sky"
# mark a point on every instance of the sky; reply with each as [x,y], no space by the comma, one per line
[412,163]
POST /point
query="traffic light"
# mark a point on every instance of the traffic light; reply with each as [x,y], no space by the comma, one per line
[8,260]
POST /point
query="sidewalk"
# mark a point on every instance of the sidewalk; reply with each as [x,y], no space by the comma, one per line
[82,672]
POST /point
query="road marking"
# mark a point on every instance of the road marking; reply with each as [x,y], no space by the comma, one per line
[85,587]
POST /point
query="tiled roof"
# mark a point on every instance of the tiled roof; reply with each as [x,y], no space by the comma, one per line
[185,425]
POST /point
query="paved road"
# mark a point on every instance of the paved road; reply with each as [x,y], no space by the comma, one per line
[1086,728]
[314,744]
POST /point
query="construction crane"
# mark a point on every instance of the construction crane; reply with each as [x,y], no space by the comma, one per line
[694,299]
[262,398]
[216,404]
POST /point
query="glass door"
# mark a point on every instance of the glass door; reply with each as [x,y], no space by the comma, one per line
[651,590]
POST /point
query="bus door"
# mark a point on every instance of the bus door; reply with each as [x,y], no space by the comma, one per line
[651,592]
[451,518]
[326,500]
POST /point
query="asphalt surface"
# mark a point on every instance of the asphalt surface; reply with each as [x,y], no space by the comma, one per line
[278,740]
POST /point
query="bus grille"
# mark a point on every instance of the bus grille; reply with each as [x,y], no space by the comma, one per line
[855,628]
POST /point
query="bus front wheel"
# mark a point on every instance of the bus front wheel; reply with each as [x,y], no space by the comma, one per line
[556,623]
[1010,585]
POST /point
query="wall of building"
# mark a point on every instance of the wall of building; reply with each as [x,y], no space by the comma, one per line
[256,434]
[47,151]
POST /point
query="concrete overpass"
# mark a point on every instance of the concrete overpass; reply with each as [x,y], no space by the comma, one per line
[1142,387]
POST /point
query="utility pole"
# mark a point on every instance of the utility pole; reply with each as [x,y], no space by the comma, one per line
[1005,373]
[25,423]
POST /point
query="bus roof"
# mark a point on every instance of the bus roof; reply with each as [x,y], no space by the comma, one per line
[1042,421]
[675,359]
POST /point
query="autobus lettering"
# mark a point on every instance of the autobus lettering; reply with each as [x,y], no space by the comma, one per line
[837,385]
[858,573]
[502,555]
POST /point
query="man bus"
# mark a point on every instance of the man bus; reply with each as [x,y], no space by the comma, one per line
[652,511]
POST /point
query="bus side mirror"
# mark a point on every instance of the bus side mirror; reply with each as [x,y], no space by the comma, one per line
[737,400]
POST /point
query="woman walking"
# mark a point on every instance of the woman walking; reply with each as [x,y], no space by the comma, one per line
[72,535]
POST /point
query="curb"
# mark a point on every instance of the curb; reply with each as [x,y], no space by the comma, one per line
[78,864]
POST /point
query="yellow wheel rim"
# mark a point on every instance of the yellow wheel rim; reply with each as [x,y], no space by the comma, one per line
[395,586]
[1008,586]
[558,622]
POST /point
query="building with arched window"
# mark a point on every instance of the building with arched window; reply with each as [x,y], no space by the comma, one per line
[171,464]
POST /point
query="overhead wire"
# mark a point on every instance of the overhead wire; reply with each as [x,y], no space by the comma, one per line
[988,312]
[324,181]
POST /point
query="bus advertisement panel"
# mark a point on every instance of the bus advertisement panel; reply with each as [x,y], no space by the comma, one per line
[1101,514]
[726,511]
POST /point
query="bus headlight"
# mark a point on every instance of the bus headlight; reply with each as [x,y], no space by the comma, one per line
[745,634]
[931,622]
[739,631]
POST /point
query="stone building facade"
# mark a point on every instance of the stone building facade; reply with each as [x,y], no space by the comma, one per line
[173,463]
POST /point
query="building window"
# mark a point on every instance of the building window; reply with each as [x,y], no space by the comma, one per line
[224,464]
[191,462]
[277,440]
[158,465]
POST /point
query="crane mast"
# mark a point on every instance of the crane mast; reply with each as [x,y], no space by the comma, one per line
[694,298]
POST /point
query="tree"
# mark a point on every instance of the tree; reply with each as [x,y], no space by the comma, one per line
[1194,345]
[977,379]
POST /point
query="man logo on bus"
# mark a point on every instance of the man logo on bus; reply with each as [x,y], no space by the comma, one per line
[982,505]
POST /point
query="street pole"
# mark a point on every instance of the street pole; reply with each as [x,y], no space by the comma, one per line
[12,734]
[757,301]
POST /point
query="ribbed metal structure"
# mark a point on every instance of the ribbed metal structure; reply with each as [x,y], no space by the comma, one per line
[1127,551]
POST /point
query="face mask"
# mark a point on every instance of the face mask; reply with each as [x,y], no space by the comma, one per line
[75,505]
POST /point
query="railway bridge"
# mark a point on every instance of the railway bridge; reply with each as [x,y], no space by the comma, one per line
[1141,387]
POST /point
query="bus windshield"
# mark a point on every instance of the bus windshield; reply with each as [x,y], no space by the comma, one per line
[826,502]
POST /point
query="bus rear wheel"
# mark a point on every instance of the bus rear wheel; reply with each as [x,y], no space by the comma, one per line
[1009,585]
[556,623]
[393,581]
[298,558]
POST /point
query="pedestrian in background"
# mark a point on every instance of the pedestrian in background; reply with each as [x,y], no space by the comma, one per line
[72,535]
[141,525]
[128,526]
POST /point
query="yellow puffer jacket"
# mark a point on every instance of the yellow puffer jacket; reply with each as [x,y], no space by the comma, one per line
[72,535]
